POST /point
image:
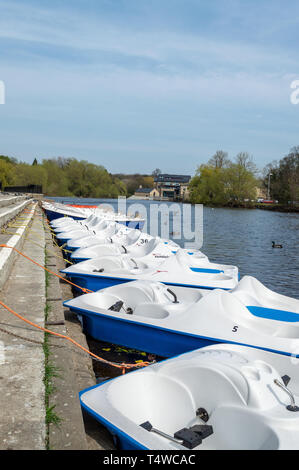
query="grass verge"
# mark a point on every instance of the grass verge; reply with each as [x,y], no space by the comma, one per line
[50,373]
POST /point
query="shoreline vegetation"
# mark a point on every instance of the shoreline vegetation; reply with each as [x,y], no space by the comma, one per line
[238,183]
[268,207]
[221,182]
[249,205]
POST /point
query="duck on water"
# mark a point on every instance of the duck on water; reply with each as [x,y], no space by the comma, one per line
[275,245]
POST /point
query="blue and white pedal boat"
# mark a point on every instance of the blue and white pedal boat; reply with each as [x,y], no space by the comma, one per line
[154,247]
[221,397]
[60,211]
[68,223]
[90,224]
[177,270]
[151,317]
[124,237]
[102,230]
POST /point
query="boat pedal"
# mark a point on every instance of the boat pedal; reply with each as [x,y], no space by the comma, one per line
[286,379]
[117,306]
[193,437]
[187,437]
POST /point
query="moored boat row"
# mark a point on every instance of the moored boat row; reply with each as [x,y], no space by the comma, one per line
[233,343]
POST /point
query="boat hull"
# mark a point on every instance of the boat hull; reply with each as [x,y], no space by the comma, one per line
[163,342]
[53,215]
[95,283]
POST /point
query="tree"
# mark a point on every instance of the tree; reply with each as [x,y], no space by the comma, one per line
[26,174]
[11,160]
[284,179]
[57,182]
[219,160]
[221,182]
[156,172]
[208,186]
[240,182]
[133,182]
[63,177]
[246,161]
[7,176]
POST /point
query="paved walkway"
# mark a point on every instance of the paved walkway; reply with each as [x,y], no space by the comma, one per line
[22,398]
[22,358]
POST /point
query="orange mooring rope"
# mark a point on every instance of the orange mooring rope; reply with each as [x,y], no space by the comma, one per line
[114,364]
[122,366]
[46,269]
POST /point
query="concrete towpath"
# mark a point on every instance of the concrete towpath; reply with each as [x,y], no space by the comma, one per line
[22,363]
[25,352]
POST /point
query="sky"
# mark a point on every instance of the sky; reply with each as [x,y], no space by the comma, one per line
[136,85]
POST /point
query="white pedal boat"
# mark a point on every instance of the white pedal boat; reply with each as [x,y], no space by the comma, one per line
[178,270]
[102,230]
[222,397]
[68,222]
[90,223]
[58,211]
[151,317]
[124,236]
[78,231]
[155,249]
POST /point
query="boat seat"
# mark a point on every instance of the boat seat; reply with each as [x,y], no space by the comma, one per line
[148,396]
[252,292]
[137,293]
[150,310]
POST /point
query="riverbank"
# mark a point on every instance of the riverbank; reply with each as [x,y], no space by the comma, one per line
[279,207]
[269,207]
[41,374]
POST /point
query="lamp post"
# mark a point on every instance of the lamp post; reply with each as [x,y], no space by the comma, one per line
[269,176]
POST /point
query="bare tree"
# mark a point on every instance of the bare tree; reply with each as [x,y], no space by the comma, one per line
[246,161]
[156,172]
[219,160]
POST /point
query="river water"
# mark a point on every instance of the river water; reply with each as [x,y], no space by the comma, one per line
[241,237]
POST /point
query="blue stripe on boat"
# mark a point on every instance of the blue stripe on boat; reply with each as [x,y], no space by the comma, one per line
[204,270]
[274,314]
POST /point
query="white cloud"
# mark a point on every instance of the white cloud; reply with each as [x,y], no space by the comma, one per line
[147,64]
[101,86]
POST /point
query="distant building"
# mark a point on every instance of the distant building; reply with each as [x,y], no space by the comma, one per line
[173,187]
[146,193]
[261,193]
